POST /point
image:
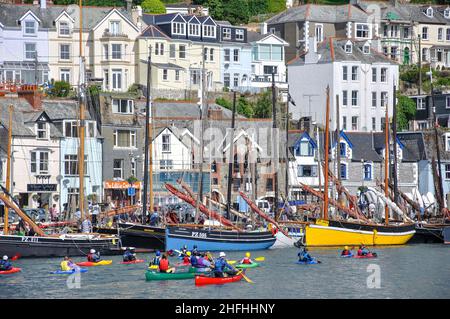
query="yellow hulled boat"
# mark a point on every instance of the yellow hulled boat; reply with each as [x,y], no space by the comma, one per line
[337,233]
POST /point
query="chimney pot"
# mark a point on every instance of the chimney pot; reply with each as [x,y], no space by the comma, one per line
[43,4]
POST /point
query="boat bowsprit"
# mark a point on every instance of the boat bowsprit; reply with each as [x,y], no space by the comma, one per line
[11,271]
[206,280]
[69,272]
[252,265]
[92,264]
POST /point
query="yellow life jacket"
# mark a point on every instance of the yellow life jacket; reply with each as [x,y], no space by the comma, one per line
[65,265]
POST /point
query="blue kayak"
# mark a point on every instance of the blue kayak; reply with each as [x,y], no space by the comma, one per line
[347,256]
[68,272]
[312,262]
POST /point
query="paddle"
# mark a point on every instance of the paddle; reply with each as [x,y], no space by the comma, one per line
[243,275]
[231,262]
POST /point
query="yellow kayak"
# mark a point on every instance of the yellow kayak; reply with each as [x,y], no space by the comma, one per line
[91,264]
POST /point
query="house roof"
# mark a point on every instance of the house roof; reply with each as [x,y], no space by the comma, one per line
[320,13]
[327,53]
[152,31]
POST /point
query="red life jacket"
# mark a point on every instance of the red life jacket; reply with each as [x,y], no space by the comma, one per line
[89,257]
[246,261]
[186,260]
[163,264]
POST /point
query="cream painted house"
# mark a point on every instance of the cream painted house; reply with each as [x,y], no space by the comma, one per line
[108,45]
[177,43]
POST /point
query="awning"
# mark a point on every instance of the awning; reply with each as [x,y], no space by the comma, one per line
[24,65]
[167,66]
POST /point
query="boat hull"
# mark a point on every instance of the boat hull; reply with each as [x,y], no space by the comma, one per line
[36,246]
[334,233]
[141,237]
[428,234]
[217,240]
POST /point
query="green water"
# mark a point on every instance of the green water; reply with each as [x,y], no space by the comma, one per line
[413,271]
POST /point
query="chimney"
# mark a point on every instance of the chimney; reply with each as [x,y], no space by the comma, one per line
[215,114]
[43,4]
[129,4]
[32,95]
[263,28]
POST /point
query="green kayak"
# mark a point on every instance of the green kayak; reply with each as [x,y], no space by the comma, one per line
[152,275]
[252,265]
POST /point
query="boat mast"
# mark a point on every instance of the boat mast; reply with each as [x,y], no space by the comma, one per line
[386,167]
[147,140]
[326,155]
[394,137]
[81,127]
[338,151]
[8,170]
[275,145]
[231,162]
[202,109]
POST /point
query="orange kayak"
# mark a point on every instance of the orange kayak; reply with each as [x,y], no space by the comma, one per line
[205,280]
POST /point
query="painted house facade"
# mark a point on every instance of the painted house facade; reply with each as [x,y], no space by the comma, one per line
[361,77]
[424,118]
[23,43]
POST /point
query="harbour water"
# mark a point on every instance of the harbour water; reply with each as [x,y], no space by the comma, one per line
[412,271]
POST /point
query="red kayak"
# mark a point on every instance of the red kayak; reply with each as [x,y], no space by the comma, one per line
[205,280]
[137,261]
[11,271]
[369,255]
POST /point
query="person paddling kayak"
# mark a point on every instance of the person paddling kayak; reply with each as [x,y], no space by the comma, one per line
[346,252]
[187,258]
[5,264]
[68,265]
[93,256]
[129,254]
[246,259]
[304,256]
[193,260]
[164,264]
[203,262]
[221,267]
[156,259]
[363,251]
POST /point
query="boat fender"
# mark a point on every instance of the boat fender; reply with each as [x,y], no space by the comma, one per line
[114,241]
[375,232]
[274,231]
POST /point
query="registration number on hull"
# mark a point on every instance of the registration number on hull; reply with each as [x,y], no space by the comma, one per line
[30,239]
[198,235]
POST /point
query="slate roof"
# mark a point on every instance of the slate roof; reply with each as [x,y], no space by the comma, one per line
[10,13]
[414,146]
[363,146]
[253,36]
[320,13]
[152,31]
[326,55]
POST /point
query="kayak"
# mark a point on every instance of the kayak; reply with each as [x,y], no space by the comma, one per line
[312,262]
[252,265]
[137,261]
[153,275]
[90,264]
[199,270]
[11,271]
[347,256]
[68,272]
[205,280]
[369,255]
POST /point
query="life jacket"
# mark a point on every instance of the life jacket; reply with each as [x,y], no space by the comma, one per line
[219,265]
[194,261]
[163,264]
[186,260]
[359,252]
[90,257]
[345,252]
[65,265]
[246,260]
[156,260]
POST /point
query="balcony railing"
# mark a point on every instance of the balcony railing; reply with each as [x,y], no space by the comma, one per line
[115,35]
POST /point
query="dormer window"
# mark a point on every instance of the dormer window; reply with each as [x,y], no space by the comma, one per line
[30,28]
[226,32]
[64,28]
[348,48]
[114,27]
[362,30]
[194,29]
[240,35]
[41,130]
[429,12]
[447,13]
[209,31]
[178,28]
[366,49]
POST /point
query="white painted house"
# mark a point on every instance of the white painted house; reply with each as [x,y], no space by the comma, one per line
[361,77]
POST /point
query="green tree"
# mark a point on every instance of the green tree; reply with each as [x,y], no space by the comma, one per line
[258,6]
[153,6]
[406,109]
[245,107]
[263,108]
[236,11]
[276,6]
[215,8]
